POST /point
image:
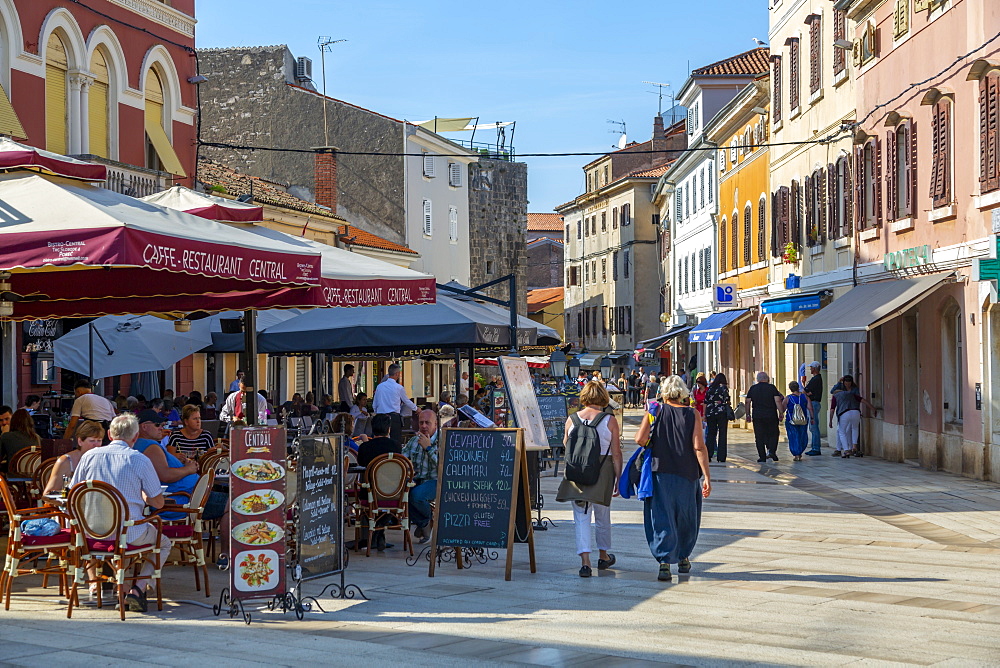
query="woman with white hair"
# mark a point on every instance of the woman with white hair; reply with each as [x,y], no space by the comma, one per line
[675,441]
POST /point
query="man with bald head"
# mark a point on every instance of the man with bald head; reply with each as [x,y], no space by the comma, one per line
[764,411]
[422,451]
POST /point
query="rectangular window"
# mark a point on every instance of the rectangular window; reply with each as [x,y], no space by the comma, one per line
[593,271]
[628,319]
[678,204]
[839,33]
[604,270]
[579,324]
[604,320]
[579,229]
[574,275]
[614,218]
[428,226]
[776,89]
[428,165]
[687,201]
[586,272]
[586,227]
[901,18]
[708,267]
[701,178]
[605,175]
[687,275]
[941,141]
[453,223]
[793,72]
[625,268]
[711,182]
[626,214]
[567,234]
[604,221]
[614,266]
[815,50]
[989,132]
[455,174]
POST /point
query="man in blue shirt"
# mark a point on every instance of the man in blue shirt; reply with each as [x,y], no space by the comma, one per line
[235,385]
[422,451]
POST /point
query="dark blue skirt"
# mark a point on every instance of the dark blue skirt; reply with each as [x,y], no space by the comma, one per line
[672,517]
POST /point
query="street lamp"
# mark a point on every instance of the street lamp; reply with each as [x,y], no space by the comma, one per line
[606,365]
[574,367]
[557,364]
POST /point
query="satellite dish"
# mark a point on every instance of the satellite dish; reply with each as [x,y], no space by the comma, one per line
[622,141]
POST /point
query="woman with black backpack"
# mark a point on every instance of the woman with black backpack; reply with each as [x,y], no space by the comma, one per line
[593,465]
[675,442]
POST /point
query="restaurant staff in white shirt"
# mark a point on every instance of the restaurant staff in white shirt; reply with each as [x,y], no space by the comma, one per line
[390,397]
[89,406]
[233,409]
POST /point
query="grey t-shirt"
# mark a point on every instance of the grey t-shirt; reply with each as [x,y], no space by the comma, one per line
[847,400]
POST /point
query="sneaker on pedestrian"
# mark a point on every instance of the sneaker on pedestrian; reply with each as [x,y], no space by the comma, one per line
[684,566]
[812,453]
[664,573]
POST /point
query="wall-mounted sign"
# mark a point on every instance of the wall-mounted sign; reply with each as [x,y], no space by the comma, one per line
[908,258]
[723,296]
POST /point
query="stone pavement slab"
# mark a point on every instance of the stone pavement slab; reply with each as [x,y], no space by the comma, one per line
[821,562]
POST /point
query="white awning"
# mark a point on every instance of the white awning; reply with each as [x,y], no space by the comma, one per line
[849,318]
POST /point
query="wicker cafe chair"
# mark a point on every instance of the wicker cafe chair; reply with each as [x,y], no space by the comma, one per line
[187,534]
[21,548]
[99,518]
[387,481]
[25,462]
[216,461]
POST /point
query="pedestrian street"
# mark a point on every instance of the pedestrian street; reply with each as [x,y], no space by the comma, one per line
[821,562]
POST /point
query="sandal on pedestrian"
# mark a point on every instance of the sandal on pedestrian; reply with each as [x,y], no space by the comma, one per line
[136,600]
[684,566]
[585,571]
[664,574]
[605,564]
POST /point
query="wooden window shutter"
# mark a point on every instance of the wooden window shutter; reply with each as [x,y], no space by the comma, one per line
[747,234]
[808,201]
[428,164]
[428,227]
[985,167]
[941,190]
[859,188]
[891,184]
[614,218]
[847,224]
[735,252]
[910,132]
[455,174]
[783,236]
[832,203]
[921,5]
[723,235]
[877,160]
[839,32]
[794,233]
[989,131]
[814,54]
[935,153]
[776,102]
[901,18]
[761,230]
[774,224]
[820,180]
[793,72]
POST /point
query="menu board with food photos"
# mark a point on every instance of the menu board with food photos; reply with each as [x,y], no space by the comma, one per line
[257,496]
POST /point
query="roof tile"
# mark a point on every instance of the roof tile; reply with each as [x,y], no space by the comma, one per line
[545,222]
[540,298]
[753,62]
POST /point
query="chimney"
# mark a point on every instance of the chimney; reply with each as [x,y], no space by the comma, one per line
[325,174]
[659,136]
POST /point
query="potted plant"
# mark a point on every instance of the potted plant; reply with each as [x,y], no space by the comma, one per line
[790,254]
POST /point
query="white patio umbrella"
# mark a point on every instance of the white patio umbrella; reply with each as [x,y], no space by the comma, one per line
[128,344]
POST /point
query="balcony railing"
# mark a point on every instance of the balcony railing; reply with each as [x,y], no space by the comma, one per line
[488,150]
[129,179]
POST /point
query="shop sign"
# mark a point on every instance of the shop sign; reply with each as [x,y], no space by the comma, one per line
[908,258]
[723,296]
[40,335]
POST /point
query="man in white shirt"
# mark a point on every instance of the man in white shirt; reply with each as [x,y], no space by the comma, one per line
[390,398]
[89,406]
[132,474]
[232,411]
[345,389]
[463,384]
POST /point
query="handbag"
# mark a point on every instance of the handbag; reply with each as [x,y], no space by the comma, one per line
[730,413]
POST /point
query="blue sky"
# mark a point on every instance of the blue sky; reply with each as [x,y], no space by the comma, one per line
[560,68]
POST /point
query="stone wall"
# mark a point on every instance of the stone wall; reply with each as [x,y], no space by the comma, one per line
[498,221]
[251,98]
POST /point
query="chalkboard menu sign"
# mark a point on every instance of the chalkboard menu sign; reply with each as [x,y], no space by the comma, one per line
[257,492]
[555,409]
[479,491]
[319,505]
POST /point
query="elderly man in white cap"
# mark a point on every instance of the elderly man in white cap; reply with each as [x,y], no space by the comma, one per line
[814,390]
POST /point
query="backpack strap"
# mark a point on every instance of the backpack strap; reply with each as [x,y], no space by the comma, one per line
[575,418]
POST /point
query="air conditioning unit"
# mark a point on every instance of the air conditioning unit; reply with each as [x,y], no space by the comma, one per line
[304,69]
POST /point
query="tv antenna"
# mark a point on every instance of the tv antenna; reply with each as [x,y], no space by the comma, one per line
[325,45]
[622,140]
[660,86]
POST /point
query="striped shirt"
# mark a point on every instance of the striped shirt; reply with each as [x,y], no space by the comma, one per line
[182,443]
[128,471]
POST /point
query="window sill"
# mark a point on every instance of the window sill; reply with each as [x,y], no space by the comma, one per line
[816,97]
[777,125]
[987,200]
[794,113]
[841,76]
[843,242]
[870,234]
[902,225]
[758,265]
[816,250]
[941,213]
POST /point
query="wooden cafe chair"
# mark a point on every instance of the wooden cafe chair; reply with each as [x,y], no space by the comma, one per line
[29,550]
[385,494]
[41,479]
[99,519]
[187,534]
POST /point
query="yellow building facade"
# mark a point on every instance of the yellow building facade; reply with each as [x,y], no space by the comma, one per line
[743,230]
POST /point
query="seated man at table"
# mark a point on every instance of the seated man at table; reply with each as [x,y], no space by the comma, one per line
[132,474]
[380,443]
[422,451]
[177,472]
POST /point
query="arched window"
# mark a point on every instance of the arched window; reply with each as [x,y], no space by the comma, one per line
[761,230]
[747,234]
[56,98]
[159,152]
[99,108]
[736,240]
[723,229]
